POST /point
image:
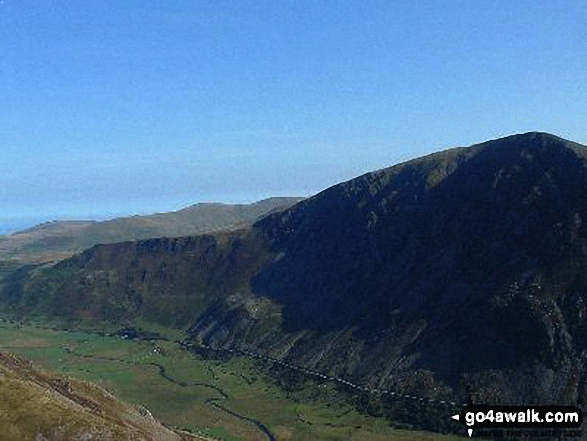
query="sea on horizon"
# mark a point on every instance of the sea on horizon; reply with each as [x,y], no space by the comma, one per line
[13,225]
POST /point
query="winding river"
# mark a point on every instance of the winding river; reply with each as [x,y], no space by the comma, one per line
[213,402]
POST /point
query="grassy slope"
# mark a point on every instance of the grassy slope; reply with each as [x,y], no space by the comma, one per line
[126,369]
[36,403]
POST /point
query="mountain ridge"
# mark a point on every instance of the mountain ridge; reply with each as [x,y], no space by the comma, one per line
[462,268]
[60,239]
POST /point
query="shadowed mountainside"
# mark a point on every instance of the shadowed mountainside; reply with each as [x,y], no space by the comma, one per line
[462,270]
[59,239]
[38,405]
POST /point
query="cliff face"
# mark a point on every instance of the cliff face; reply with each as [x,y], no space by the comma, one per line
[466,267]
[166,281]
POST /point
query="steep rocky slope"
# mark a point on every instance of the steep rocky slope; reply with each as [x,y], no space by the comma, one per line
[462,270]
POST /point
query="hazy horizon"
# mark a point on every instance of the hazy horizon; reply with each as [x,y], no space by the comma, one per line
[12,224]
[9,225]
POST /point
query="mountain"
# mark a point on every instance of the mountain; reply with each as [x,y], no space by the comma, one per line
[59,239]
[462,272]
[42,406]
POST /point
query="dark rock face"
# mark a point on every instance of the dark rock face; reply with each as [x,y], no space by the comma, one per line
[463,268]
[469,260]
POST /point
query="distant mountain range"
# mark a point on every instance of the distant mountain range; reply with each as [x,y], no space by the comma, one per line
[460,273]
[59,239]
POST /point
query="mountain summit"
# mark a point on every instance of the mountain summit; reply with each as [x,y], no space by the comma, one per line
[462,270]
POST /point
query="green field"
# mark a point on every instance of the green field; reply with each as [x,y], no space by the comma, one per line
[195,393]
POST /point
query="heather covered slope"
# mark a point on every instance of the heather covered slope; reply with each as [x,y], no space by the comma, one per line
[38,405]
[460,270]
[55,240]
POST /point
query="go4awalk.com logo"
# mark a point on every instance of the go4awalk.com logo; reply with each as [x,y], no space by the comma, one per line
[547,419]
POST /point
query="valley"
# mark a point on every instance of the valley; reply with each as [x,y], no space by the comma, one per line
[293,220]
[230,399]
[369,278]
[380,304]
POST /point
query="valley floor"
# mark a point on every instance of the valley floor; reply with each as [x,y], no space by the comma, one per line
[229,399]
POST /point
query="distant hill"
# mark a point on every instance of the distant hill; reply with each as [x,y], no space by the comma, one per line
[461,272]
[37,405]
[59,239]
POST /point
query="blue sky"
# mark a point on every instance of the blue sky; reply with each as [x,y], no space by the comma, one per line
[116,107]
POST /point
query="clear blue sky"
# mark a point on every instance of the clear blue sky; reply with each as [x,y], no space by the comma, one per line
[113,107]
